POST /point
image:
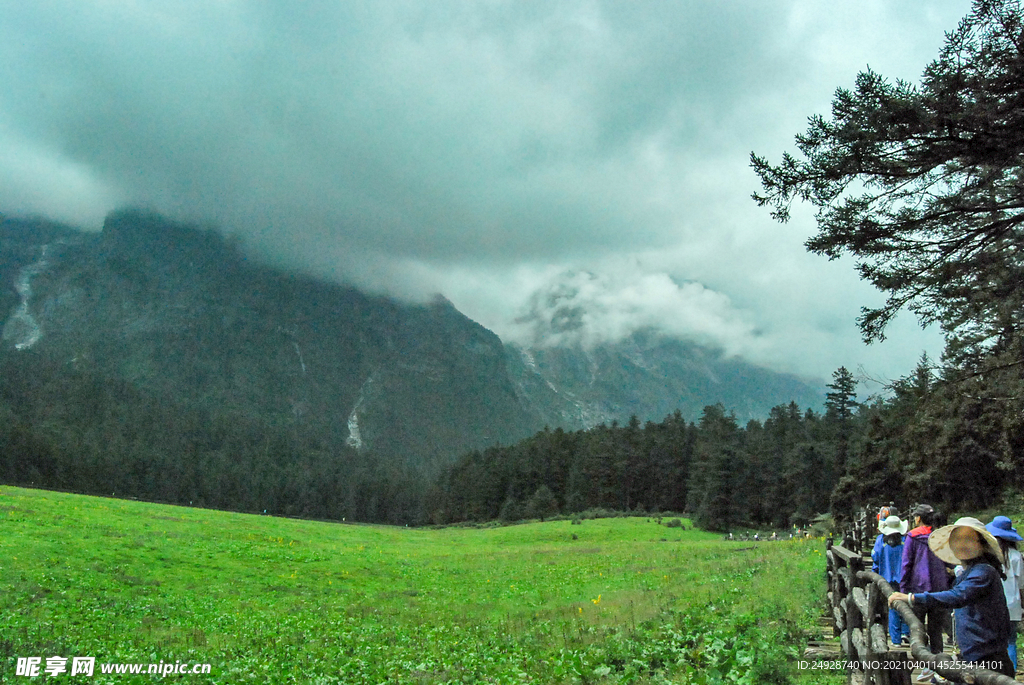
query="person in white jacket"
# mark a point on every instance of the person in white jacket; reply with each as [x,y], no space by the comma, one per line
[1002,530]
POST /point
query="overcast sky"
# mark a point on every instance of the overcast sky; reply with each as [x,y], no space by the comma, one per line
[509,155]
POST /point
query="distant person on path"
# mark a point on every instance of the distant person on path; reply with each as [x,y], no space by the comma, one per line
[1002,530]
[922,571]
[982,619]
[885,512]
[886,561]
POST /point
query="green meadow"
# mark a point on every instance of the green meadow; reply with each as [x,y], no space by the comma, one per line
[274,600]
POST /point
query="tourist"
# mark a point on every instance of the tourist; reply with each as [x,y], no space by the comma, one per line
[982,619]
[922,571]
[1002,530]
[886,561]
[885,512]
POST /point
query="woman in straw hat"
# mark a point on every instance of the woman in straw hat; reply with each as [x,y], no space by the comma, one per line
[1002,530]
[982,621]
[886,559]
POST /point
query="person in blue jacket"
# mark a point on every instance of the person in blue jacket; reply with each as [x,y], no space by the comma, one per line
[886,560]
[982,620]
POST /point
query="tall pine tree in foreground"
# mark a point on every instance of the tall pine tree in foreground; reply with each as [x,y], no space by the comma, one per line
[923,186]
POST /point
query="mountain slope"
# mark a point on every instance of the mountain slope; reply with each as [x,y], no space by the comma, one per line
[177,312]
[650,375]
[152,318]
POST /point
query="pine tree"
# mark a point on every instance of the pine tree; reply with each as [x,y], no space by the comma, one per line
[719,466]
[839,406]
[511,510]
[542,504]
[921,184]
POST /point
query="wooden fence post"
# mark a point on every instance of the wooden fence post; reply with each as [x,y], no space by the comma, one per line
[856,607]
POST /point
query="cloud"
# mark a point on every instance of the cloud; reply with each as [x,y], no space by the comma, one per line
[477,148]
[779,324]
[34,179]
[583,308]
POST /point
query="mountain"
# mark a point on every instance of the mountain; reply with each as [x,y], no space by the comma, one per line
[179,313]
[154,359]
[647,374]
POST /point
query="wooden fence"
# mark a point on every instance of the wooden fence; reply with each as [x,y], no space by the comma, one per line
[858,599]
[860,533]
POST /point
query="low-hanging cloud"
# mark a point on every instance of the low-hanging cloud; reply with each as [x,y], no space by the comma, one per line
[587,309]
[473,148]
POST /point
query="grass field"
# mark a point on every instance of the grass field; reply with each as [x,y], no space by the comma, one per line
[271,600]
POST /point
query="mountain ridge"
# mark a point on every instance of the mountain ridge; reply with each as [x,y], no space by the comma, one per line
[650,375]
[177,310]
[181,312]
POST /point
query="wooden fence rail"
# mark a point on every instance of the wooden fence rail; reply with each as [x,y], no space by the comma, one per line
[860,611]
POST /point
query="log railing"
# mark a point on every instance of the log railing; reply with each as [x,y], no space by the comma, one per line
[858,599]
[861,531]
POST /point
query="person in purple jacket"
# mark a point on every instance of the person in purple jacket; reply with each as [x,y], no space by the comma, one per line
[922,571]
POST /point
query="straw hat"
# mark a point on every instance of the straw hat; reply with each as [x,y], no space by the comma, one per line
[938,541]
[892,524]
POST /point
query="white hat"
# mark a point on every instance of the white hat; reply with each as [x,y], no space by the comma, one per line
[892,524]
[938,541]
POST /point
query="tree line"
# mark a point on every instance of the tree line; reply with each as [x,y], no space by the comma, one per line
[70,428]
[947,436]
[942,435]
[777,472]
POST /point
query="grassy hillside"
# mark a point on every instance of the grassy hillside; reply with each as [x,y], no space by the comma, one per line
[266,599]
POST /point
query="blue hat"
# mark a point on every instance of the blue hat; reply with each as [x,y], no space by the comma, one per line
[1001,527]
